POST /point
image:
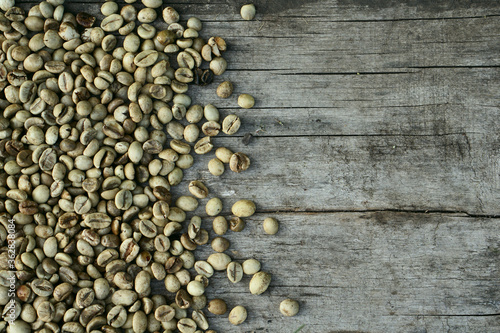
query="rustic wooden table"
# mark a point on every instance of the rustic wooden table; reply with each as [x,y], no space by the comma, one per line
[376,145]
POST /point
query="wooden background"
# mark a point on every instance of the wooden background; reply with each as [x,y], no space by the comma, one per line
[376,145]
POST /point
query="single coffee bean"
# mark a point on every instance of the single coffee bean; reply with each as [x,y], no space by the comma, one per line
[218,65]
[204,268]
[243,208]
[217,307]
[219,261]
[195,288]
[259,283]
[219,225]
[231,124]
[225,89]
[234,272]
[198,189]
[237,315]
[270,225]
[236,224]
[213,206]
[215,167]
[247,12]
[239,162]
[251,266]
[164,313]
[220,244]
[246,101]
[289,307]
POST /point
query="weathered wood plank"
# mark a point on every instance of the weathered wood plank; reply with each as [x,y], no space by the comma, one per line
[340,10]
[320,44]
[450,172]
[369,272]
[432,101]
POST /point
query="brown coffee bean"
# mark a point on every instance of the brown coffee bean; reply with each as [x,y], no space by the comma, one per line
[183,299]
[236,224]
[239,162]
[28,207]
[85,20]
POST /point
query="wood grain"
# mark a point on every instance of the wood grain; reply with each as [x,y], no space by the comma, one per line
[369,114]
[368,272]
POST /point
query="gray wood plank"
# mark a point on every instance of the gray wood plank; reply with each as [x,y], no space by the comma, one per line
[307,43]
[450,172]
[340,10]
[368,272]
[433,101]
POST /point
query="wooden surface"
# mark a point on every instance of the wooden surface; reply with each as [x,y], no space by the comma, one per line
[376,146]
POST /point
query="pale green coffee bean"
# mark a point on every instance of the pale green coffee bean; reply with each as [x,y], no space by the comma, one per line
[176,214]
[178,111]
[198,189]
[243,208]
[223,154]
[124,297]
[220,244]
[216,167]
[112,22]
[211,128]
[194,23]
[147,228]
[142,283]
[204,268]
[117,316]
[195,288]
[41,194]
[146,31]
[187,203]
[289,307]
[101,288]
[270,225]
[164,313]
[211,113]
[135,152]
[172,283]
[123,199]
[217,306]
[251,266]
[237,315]
[213,206]
[218,65]
[194,114]
[127,28]
[231,124]
[185,60]
[186,325]
[259,283]
[191,133]
[225,89]
[35,135]
[234,272]
[219,225]
[84,248]
[246,101]
[146,15]
[247,12]
[179,147]
[109,8]
[175,130]
[185,161]
[52,40]
[131,43]
[206,53]
[219,261]
[170,15]
[152,3]
[203,146]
